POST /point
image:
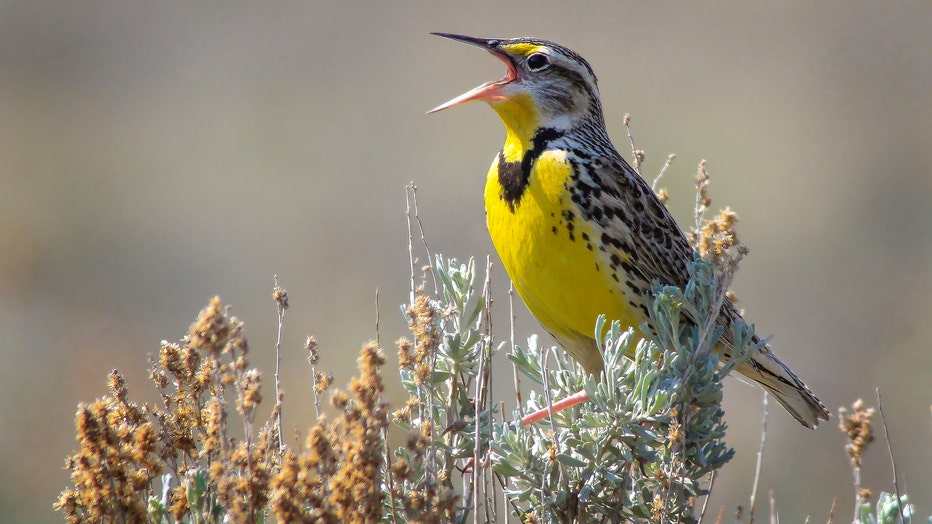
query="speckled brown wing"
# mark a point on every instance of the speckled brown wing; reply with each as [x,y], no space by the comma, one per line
[641,242]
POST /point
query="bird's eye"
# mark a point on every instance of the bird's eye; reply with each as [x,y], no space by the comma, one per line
[537,61]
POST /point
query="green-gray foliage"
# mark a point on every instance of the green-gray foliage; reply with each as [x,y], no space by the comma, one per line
[651,431]
[887,511]
[637,451]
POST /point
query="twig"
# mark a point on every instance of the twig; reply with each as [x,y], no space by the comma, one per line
[549,396]
[378,341]
[831,513]
[702,180]
[312,355]
[705,503]
[637,155]
[420,228]
[501,480]
[886,436]
[857,490]
[489,485]
[508,502]
[760,460]
[411,205]
[514,369]
[485,381]
[483,393]
[389,473]
[663,170]
[553,427]
[410,240]
[281,299]
[774,518]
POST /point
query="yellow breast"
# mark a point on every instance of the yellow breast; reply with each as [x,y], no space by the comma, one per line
[553,258]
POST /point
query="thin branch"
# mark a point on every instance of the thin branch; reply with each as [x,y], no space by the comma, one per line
[489,485]
[705,502]
[549,396]
[506,502]
[663,170]
[514,369]
[886,436]
[483,393]
[313,354]
[637,154]
[389,471]
[378,337]
[774,517]
[760,460]
[410,239]
[485,380]
[857,489]
[420,228]
[281,299]
[702,180]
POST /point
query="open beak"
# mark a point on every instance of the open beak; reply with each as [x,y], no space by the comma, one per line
[489,91]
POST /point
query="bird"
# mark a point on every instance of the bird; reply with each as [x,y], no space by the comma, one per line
[577,229]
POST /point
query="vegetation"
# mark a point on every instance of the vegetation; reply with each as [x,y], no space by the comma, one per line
[645,448]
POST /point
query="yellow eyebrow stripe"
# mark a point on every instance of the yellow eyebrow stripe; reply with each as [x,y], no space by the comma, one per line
[523,48]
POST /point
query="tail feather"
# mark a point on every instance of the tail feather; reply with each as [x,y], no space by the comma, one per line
[777,378]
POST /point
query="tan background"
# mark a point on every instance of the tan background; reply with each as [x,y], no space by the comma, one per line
[155,154]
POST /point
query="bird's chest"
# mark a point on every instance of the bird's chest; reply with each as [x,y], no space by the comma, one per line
[549,250]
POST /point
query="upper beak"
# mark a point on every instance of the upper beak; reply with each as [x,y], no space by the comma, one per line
[488,91]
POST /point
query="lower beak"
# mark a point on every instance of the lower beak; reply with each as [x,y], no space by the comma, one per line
[489,91]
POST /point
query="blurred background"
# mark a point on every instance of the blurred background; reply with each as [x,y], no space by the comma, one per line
[154,154]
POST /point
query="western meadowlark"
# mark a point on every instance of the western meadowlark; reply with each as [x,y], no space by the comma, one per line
[578,230]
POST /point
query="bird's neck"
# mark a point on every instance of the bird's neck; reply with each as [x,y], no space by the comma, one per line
[521,120]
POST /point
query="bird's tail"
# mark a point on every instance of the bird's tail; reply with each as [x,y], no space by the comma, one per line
[777,378]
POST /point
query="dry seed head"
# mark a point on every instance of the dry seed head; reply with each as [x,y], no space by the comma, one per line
[422,373]
[117,385]
[530,518]
[702,184]
[405,356]
[339,399]
[354,492]
[322,381]
[213,330]
[718,241]
[313,350]
[422,321]
[249,392]
[403,414]
[674,434]
[117,459]
[657,508]
[179,505]
[401,469]
[859,429]
[281,297]
[639,156]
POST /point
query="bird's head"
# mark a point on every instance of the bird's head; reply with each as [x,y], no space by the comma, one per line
[546,85]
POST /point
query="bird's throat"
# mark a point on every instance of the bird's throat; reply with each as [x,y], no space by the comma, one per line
[521,121]
[515,175]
